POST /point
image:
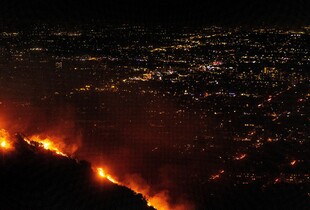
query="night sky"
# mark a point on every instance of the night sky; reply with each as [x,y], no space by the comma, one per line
[223,12]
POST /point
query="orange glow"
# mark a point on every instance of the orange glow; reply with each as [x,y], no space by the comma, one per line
[293,162]
[159,201]
[269,99]
[218,175]
[103,174]
[4,140]
[277,180]
[241,157]
[4,144]
[48,144]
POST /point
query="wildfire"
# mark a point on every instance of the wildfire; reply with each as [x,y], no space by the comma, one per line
[4,144]
[4,140]
[48,144]
[158,201]
[103,174]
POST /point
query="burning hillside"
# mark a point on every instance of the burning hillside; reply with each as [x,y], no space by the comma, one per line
[36,174]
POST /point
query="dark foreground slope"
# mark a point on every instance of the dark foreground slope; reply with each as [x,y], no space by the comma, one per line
[34,178]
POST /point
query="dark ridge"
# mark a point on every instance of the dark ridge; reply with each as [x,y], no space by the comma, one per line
[34,178]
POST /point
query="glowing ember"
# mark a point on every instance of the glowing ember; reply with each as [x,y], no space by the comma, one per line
[217,176]
[269,99]
[293,162]
[241,156]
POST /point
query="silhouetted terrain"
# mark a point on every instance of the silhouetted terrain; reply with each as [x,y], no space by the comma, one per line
[34,178]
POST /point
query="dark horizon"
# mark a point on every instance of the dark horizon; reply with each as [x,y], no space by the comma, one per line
[221,12]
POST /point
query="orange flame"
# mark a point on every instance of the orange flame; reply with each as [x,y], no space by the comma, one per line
[156,201]
[103,174]
[48,144]
[159,201]
[5,140]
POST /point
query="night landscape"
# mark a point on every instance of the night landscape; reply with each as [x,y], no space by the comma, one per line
[123,105]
